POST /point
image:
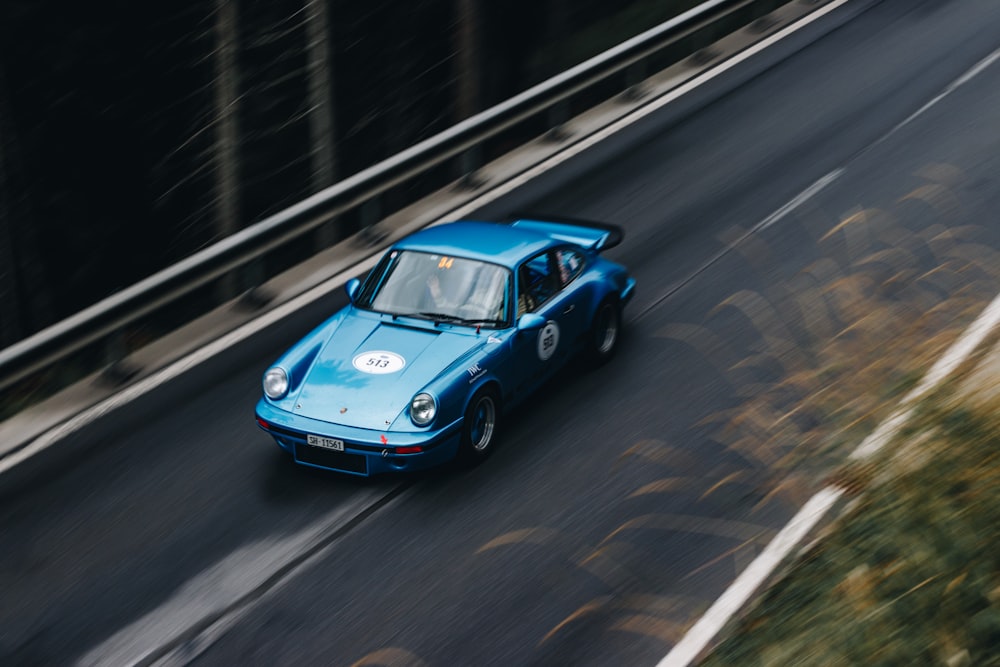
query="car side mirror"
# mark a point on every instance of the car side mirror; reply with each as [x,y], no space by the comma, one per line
[351,287]
[530,322]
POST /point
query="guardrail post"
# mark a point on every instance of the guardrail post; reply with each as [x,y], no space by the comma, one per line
[468,163]
[250,278]
[634,76]
[328,233]
[117,370]
[371,213]
[558,114]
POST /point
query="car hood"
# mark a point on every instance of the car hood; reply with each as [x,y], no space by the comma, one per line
[369,370]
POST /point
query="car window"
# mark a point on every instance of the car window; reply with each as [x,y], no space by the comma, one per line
[570,264]
[426,284]
[537,282]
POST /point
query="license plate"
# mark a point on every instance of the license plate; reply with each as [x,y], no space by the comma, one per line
[325,443]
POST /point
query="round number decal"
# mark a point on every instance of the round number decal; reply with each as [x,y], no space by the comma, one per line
[548,340]
[379,362]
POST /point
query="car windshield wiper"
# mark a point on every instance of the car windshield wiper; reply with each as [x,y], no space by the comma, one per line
[440,317]
[479,322]
[456,319]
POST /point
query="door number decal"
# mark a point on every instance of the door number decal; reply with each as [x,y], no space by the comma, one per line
[548,340]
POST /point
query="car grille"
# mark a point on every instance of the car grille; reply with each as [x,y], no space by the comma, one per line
[328,458]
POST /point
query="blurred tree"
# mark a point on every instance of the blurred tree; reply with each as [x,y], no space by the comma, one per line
[24,303]
[11,327]
[558,21]
[227,134]
[467,57]
[276,114]
[321,106]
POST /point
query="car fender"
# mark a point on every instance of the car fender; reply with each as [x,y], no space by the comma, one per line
[487,380]
[474,372]
[454,387]
[298,359]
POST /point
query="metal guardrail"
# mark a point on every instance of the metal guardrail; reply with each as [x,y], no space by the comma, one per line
[689,32]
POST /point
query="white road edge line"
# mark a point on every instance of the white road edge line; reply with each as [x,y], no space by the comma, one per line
[246,330]
[971,338]
[702,632]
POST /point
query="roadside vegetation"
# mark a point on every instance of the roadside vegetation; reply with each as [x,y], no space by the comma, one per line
[910,575]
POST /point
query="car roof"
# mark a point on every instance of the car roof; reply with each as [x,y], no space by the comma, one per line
[486,241]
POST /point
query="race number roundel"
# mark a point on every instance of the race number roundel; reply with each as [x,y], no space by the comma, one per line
[378,362]
[548,340]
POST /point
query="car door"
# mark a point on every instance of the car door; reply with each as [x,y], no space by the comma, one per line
[541,289]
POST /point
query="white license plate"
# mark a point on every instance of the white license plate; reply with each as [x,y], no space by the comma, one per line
[325,443]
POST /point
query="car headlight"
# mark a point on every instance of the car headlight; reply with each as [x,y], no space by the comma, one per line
[275,383]
[422,409]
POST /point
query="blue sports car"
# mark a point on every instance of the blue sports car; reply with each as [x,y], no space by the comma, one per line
[455,325]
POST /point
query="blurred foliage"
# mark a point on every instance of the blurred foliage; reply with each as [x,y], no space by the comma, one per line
[818,374]
[911,575]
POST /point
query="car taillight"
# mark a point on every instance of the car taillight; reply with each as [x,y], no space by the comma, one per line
[409,450]
[263,424]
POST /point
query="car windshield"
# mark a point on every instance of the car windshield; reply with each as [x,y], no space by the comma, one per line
[438,287]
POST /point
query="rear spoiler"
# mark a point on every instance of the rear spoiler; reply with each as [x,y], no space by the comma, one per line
[593,235]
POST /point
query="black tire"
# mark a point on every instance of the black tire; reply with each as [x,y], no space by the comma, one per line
[605,331]
[480,426]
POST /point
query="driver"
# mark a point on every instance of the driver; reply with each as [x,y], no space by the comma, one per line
[435,295]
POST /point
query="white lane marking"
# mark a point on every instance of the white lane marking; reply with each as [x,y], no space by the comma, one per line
[800,199]
[216,589]
[972,73]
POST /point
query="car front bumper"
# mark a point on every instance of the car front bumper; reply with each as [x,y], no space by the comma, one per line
[365,452]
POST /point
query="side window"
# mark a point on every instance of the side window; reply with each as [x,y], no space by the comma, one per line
[537,281]
[569,263]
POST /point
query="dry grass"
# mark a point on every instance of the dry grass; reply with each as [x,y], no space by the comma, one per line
[911,576]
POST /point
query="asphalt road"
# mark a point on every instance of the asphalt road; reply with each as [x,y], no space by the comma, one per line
[622,501]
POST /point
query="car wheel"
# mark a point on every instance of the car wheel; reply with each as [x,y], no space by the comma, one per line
[605,331]
[479,428]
